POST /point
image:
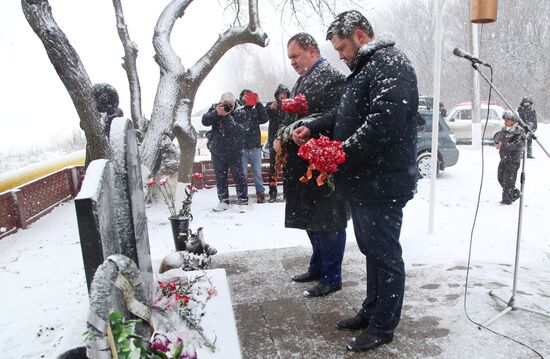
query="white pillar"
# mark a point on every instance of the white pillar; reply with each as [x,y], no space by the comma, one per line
[438,6]
[476,116]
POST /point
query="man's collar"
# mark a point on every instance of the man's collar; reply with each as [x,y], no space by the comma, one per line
[315,65]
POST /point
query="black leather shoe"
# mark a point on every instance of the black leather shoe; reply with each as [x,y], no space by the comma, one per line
[354,323]
[364,342]
[305,277]
[320,290]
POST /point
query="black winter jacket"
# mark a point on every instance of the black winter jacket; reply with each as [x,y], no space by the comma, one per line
[376,122]
[512,141]
[226,137]
[529,116]
[309,206]
[250,118]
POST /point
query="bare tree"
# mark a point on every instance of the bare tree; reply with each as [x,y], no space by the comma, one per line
[72,73]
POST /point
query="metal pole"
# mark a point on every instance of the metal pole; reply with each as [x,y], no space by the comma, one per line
[438,6]
[477,139]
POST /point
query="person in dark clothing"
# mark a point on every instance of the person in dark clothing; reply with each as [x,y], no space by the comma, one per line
[276,116]
[250,117]
[308,206]
[528,114]
[106,101]
[510,141]
[376,121]
[225,143]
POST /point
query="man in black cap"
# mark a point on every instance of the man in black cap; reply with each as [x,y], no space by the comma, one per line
[529,116]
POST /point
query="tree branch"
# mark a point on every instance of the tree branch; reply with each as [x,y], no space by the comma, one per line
[71,71]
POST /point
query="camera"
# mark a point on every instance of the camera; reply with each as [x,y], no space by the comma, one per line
[227,107]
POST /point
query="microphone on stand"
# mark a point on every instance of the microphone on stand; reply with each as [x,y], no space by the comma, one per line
[463,53]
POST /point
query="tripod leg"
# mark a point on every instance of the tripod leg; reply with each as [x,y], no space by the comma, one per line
[487,323]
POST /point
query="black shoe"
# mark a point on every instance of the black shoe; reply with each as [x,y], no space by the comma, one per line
[354,323]
[505,202]
[364,342]
[320,290]
[305,277]
[272,199]
[530,156]
[516,195]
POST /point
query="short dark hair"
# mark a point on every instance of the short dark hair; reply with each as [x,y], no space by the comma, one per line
[346,22]
[304,40]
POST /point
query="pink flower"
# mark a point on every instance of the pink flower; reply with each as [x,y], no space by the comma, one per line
[151,181]
[160,343]
[212,292]
[163,181]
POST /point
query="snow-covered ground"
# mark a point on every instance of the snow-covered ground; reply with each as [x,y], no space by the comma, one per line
[44,300]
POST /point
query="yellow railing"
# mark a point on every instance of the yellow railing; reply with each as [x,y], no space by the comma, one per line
[15,178]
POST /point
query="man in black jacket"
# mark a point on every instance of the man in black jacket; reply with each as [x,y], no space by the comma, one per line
[376,122]
[250,117]
[528,114]
[308,206]
[510,141]
[276,116]
[225,143]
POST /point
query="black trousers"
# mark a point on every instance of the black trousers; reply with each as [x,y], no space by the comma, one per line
[272,173]
[377,230]
[221,168]
[507,174]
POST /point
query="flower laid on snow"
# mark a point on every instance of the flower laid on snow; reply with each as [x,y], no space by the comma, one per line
[188,298]
[323,155]
[173,345]
[168,194]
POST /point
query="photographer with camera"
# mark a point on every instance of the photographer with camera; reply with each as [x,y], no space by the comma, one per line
[225,143]
[250,117]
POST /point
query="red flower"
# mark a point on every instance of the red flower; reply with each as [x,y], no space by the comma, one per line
[322,155]
[192,188]
[163,181]
[297,104]
[183,298]
[212,292]
[197,176]
[151,181]
[171,286]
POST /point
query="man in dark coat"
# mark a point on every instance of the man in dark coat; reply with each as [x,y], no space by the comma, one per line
[376,122]
[225,143]
[308,206]
[510,141]
[276,116]
[528,114]
[250,117]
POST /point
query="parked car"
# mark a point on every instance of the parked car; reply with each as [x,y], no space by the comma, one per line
[427,103]
[460,121]
[447,153]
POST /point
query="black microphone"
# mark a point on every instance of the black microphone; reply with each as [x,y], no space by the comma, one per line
[462,53]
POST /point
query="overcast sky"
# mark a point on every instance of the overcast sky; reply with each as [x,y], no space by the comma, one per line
[35,105]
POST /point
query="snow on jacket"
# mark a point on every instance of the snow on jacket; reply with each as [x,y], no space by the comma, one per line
[529,116]
[250,118]
[309,206]
[376,122]
[512,141]
[226,137]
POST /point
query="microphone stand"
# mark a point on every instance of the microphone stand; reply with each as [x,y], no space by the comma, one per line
[511,304]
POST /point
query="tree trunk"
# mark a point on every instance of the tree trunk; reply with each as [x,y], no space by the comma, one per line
[177,87]
[72,73]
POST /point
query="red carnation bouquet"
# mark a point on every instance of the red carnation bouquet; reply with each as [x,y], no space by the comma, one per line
[297,105]
[323,155]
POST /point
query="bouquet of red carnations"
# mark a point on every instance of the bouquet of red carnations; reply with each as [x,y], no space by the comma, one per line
[323,155]
[297,105]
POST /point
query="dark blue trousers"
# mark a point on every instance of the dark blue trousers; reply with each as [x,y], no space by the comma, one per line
[328,252]
[377,229]
[221,168]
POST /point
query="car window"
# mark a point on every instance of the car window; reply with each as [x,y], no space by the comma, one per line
[465,114]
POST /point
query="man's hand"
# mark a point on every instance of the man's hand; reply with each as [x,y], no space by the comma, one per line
[221,111]
[277,146]
[301,135]
[273,105]
[498,145]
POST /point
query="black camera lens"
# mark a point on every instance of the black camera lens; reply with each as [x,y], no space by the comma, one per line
[227,108]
